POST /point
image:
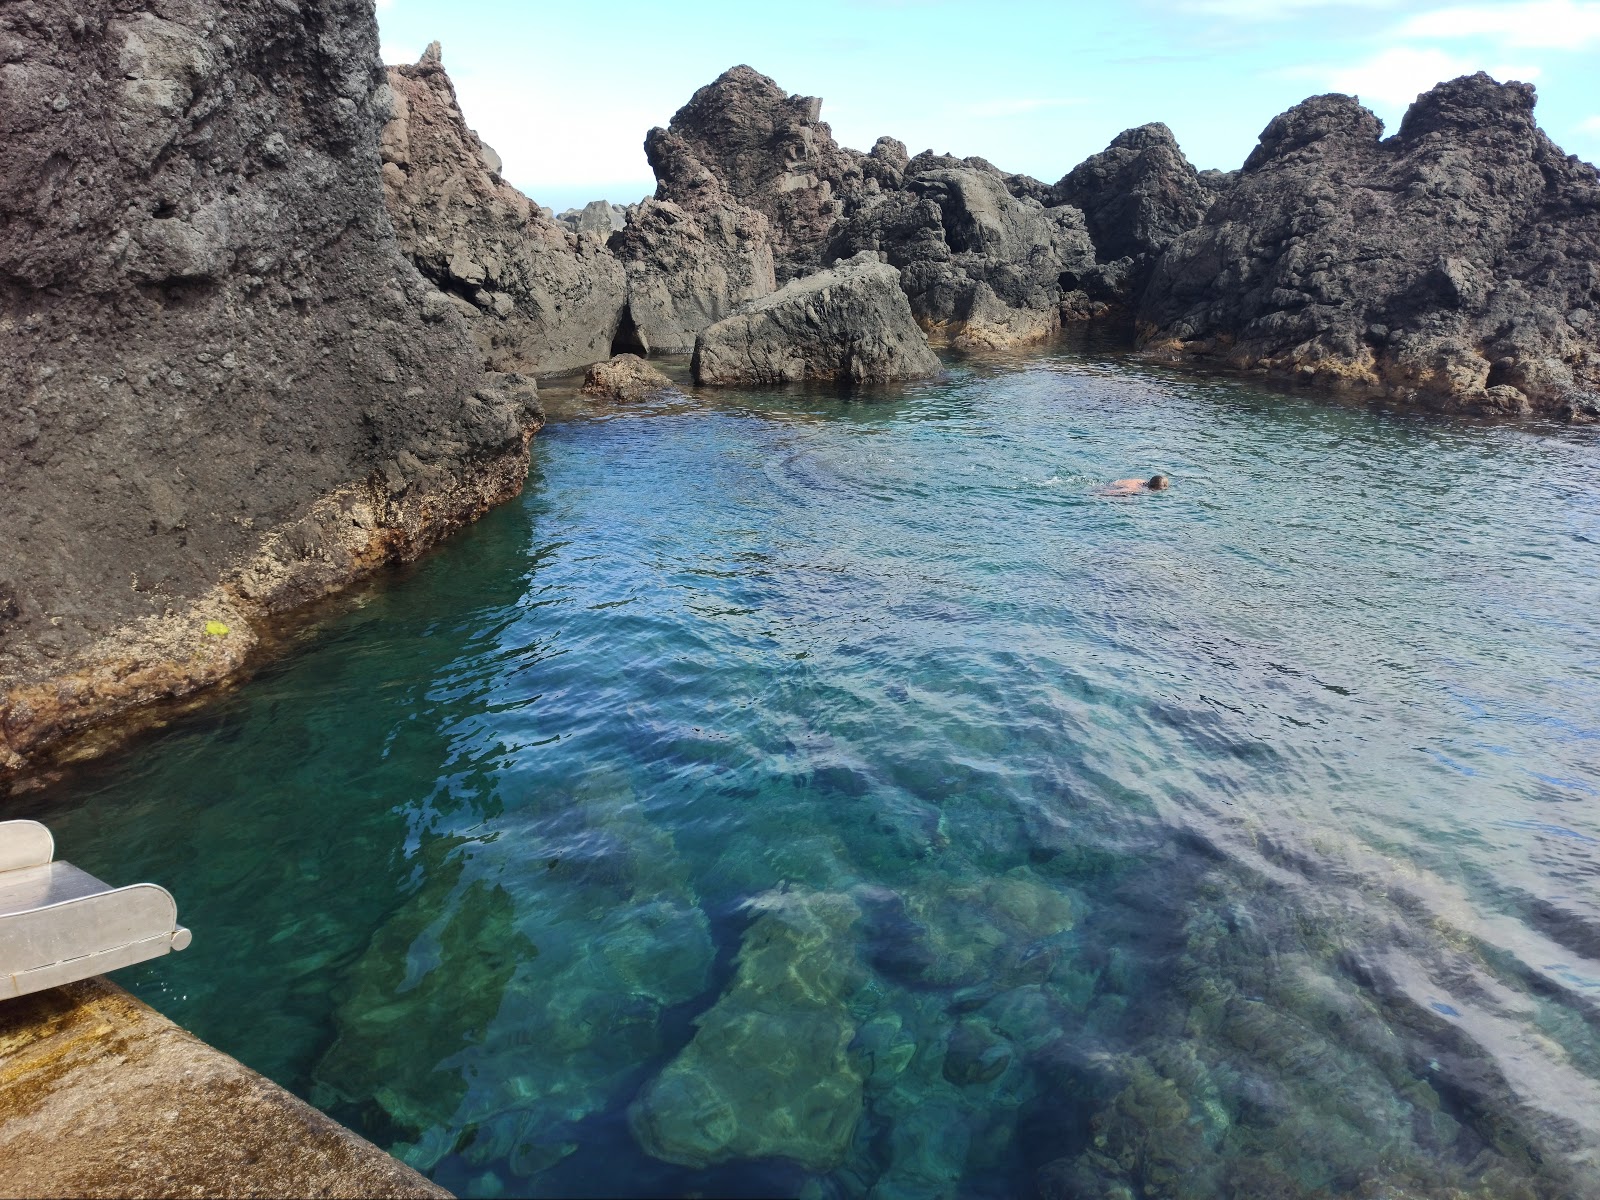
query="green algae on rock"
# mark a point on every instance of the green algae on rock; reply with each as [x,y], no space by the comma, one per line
[769,1073]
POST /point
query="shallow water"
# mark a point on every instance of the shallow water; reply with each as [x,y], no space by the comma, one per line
[800,795]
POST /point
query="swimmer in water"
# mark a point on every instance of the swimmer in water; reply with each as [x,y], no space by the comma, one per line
[1136,487]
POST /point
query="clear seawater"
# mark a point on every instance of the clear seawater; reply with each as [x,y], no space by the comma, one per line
[796,794]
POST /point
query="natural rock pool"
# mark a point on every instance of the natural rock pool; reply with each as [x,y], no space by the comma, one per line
[800,795]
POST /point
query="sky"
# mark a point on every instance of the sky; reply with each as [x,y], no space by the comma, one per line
[1035,86]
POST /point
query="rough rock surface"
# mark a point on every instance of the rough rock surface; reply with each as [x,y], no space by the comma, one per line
[982,268]
[105,1097]
[773,153]
[223,397]
[692,253]
[849,324]
[598,217]
[1456,264]
[1137,196]
[769,1073]
[625,377]
[539,296]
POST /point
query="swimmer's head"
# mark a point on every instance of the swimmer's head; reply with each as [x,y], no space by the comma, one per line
[1158,483]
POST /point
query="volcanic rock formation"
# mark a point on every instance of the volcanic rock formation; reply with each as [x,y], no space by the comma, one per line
[1456,264]
[222,396]
[538,295]
[692,253]
[626,377]
[850,324]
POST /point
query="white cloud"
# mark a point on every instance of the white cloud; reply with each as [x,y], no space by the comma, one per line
[1021,106]
[397,56]
[1393,78]
[1546,24]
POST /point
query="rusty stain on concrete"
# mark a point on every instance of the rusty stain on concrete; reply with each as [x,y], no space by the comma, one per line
[100,1095]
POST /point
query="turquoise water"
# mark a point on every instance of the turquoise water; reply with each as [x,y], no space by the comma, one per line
[798,795]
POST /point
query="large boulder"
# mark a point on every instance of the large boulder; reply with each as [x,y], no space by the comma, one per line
[982,268]
[224,394]
[625,377]
[1453,264]
[538,295]
[1137,196]
[851,324]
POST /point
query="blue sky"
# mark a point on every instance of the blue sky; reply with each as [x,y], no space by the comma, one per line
[566,95]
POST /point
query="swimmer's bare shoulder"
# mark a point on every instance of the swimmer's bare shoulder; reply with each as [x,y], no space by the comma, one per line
[1134,487]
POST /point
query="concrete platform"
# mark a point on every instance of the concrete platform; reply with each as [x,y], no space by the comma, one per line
[100,1095]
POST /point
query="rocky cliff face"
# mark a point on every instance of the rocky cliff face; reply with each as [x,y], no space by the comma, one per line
[692,253]
[538,294]
[222,394]
[771,152]
[1454,264]
[1138,195]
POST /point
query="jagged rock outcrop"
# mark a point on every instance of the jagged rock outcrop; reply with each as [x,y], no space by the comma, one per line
[982,268]
[773,153]
[598,217]
[692,253]
[1137,196]
[626,377]
[222,395]
[1454,264]
[851,324]
[538,296]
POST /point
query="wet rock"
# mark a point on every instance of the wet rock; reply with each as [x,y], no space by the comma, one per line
[1438,266]
[193,231]
[975,1053]
[850,324]
[769,1073]
[539,296]
[625,377]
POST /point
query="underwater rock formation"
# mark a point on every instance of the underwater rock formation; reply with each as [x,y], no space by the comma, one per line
[1452,265]
[769,1075]
[625,377]
[850,324]
[225,394]
[538,296]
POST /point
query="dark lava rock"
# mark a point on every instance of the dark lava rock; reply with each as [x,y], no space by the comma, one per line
[773,153]
[216,361]
[1456,264]
[850,324]
[538,295]
[1137,196]
[982,268]
[692,253]
[626,377]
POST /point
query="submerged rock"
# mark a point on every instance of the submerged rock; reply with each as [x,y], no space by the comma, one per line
[768,1074]
[850,324]
[538,296]
[1452,264]
[624,377]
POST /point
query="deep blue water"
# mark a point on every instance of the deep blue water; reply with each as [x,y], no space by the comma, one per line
[805,795]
